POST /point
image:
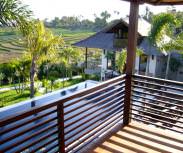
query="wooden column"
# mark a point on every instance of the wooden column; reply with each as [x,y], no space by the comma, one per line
[131,52]
[86,58]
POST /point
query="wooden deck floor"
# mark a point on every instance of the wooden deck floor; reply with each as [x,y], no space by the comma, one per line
[140,138]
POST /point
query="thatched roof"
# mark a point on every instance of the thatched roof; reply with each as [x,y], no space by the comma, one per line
[159,2]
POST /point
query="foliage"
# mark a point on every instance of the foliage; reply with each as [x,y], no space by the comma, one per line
[162,24]
[41,45]
[76,22]
[1,77]
[166,24]
[13,12]
[69,57]
[121,59]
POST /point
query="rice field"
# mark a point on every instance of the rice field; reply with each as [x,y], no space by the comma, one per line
[11,45]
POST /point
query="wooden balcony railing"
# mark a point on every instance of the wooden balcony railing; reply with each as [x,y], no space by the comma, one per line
[158,102]
[65,125]
[72,122]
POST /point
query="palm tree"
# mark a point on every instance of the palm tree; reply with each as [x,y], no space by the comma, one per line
[13,13]
[38,42]
[163,35]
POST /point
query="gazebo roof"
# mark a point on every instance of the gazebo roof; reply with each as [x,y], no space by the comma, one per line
[160,2]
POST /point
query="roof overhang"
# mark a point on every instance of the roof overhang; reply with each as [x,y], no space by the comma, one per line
[158,2]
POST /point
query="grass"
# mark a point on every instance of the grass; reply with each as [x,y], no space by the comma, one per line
[11,97]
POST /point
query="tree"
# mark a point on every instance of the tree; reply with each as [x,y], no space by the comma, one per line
[163,34]
[101,22]
[13,12]
[148,14]
[40,44]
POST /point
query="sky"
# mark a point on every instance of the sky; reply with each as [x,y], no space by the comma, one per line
[84,8]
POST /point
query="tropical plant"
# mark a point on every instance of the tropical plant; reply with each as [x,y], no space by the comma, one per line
[21,68]
[163,35]
[69,56]
[121,59]
[13,13]
[41,45]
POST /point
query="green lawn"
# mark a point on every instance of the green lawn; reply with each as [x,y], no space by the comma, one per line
[11,97]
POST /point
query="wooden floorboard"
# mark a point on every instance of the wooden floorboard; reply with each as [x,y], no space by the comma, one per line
[140,138]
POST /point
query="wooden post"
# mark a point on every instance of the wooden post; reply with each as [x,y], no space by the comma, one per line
[131,52]
[86,58]
[61,135]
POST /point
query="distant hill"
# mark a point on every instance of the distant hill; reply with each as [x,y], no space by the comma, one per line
[11,45]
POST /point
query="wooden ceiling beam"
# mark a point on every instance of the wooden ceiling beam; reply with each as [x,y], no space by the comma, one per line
[158,2]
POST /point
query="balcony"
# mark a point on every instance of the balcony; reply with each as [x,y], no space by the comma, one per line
[95,120]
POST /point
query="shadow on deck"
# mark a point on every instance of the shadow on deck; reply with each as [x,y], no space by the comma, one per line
[141,138]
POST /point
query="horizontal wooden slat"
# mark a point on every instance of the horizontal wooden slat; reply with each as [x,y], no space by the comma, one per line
[162,107]
[94,135]
[93,106]
[96,121]
[148,109]
[79,119]
[37,109]
[158,96]
[94,99]
[159,85]
[16,126]
[159,91]
[20,149]
[154,118]
[118,109]
[158,79]
[45,145]
[157,100]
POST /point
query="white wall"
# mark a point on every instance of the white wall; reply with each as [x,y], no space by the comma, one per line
[137,62]
[103,64]
[152,65]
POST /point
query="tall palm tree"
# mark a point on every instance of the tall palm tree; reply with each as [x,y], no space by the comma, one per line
[13,12]
[38,42]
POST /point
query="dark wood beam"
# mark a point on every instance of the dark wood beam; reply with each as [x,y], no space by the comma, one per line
[131,52]
[158,2]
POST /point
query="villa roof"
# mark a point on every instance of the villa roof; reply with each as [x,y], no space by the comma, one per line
[99,40]
[149,49]
[104,38]
[159,2]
